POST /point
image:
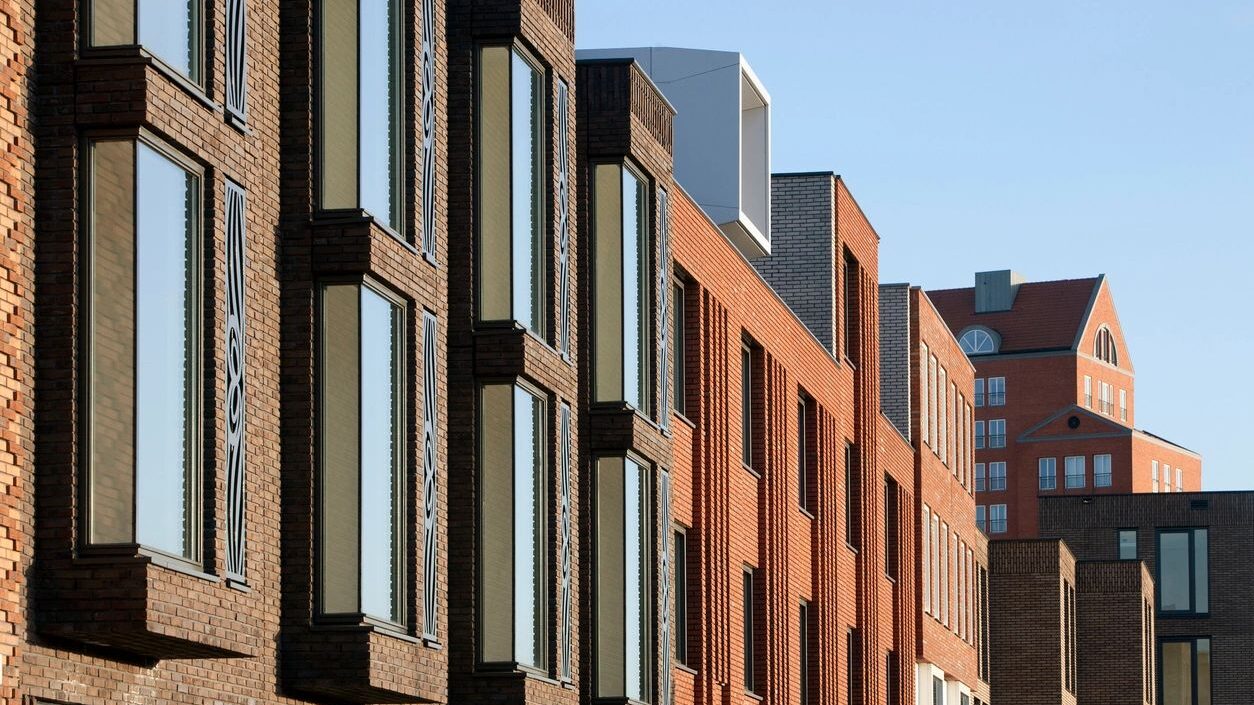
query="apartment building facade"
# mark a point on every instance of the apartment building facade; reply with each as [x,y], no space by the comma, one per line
[1054,398]
[379,353]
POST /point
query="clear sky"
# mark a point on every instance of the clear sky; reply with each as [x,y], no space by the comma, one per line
[1058,139]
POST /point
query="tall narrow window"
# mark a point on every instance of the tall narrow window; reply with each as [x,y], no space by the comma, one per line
[1154,473]
[1166,477]
[997,433]
[681,596]
[1123,405]
[623,340]
[512,187]
[851,665]
[1185,671]
[803,651]
[171,30]
[1179,479]
[942,412]
[997,476]
[853,497]
[925,406]
[892,521]
[996,391]
[853,302]
[944,569]
[984,657]
[513,553]
[925,557]
[361,97]
[980,439]
[1183,572]
[997,518]
[362,528]
[746,404]
[1088,392]
[979,392]
[679,356]
[891,674]
[143,273]
[803,452]
[749,618]
[981,518]
[1069,636]
[1102,476]
[1075,471]
[624,562]
[980,480]
[1047,473]
[236,419]
[931,401]
[936,566]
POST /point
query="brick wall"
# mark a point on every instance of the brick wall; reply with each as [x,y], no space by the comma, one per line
[1111,600]
[895,355]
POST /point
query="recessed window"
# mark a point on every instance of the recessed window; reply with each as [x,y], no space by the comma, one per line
[747,412]
[171,30]
[1123,405]
[925,409]
[981,518]
[996,391]
[980,439]
[925,557]
[892,521]
[1047,471]
[979,341]
[1104,348]
[749,617]
[1183,572]
[997,433]
[681,596]
[1088,392]
[1127,544]
[805,420]
[143,355]
[943,415]
[932,408]
[679,357]
[1102,476]
[981,477]
[979,392]
[803,651]
[512,185]
[360,101]
[853,302]
[853,497]
[1075,471]
[997,476]
[514,551]
[624,562]
[1185,671]
[1154,473]
[997,518]
[1166,477]
[362,468]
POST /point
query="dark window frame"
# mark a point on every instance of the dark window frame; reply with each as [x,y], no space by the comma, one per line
[1158,572]
[1119,533]
[680,591]
[1192,641]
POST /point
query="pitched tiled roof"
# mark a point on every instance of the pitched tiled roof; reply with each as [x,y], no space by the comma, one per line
[1045,315]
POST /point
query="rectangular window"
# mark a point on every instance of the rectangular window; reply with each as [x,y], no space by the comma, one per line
[980,518]
[997,518]
[681,596]
[679,357]
[1127,544]
[980,485]
[1123,405]
[980,440]
[803,417]
[1154,473]
[1047,471]
[996,391]
[997,433]
[926,558]
[362,531]
[624,561]
[1101,470]
[1069,636]
[853,497]
[514,550]
[892,521]
[943,556]
[942,412]
[143,355]
[853,302]
[1185,671]
[936,566]
[1075,471]
[938,691]
[984,657]
[979,392]
[925,405]
[1183,572]
[360,103]
[746,404]
[931,406]
[954,426]
[851,665]
[512,185]
[171,30]
[1166,477]
[891,674]
[1088,392]
[1179,479]
[749,615]
[803,651]
[997,476]
[623,340]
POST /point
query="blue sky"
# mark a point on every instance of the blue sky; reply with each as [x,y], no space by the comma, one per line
[1059,139]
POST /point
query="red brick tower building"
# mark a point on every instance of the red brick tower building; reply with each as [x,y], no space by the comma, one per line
[1054,399]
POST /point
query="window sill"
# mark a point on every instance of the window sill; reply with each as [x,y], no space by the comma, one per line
[683,418]
[751,471]
[686,669]
[338,216]
[806,513]
[134,53]
[754,695]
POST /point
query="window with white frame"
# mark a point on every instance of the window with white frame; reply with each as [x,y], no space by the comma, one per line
[942,411]
[997,433]
[1123,405]
[931,400]
[1166,477]
[1101,470]
[997,476]
[1154,473]
[1075,471]
[1088,391]
[997,518]
[996,391]
[979,477]
[944,567]
[979,391]
[926,553]
[979,435]
[1179,479]
[980,520]
[1047,470]
[923,395]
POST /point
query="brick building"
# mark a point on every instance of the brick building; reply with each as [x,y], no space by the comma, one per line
[1054,399]
[386,353]
[1196,546]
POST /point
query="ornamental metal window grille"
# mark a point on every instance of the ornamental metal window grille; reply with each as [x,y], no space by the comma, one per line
[664,304]
[428,130]
[235,413]
[430,474]
[563,220]
[237,59]
[564,468]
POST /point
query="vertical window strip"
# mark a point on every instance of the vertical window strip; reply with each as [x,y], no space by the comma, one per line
[235,392]
[428,130]
[563,219]
[430,474]
[664,599]
[564,467]
[664,305]
[237,59]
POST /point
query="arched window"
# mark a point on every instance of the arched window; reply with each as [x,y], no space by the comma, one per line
[1104,347]
[979,341]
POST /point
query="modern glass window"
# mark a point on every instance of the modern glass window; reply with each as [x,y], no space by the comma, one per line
[679,356]
[749,617]
[803,651]
[1183,572]
[362,528]
[1102,476]
[997,518]
[803,416]
[513,547]
[931,409]
[1185,671]
[996,391]
[746,404]
[1047,471]
[143,360]
[360,100]
[981,518]
[979,392]
[997,433]
[1127,544]
[1088,391]
[681,596]
[171,30]
[980,440]
[943,415]
[925,410]
[980,477]
[512,182]
[997,476]
[1179,479]
[624,562]
[1075,471]
[853,497]
[852,305]
[892,520]
[1123,405]
[1154,473]
[926,558]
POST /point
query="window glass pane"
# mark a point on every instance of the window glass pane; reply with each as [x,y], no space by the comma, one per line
[608,285]
[164,352]
[379,103]
[169,29]
[341,450]
[1177,673]
[681,597]
[633,291]
[112,356]
[1173,571]
[112,22]
[746,407]
[380,445]
[527,214]
[680,353]
[635,565]
[528,534]
[610,578]
[494,180]
[496,463]
[1201,574]
[1203,672]
[1127,545]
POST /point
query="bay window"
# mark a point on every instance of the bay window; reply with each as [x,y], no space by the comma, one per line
[360,103]
[511,183]
[624,561]
[362,533]
[513,552]
[143,292]
[622,338]
[171,30]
